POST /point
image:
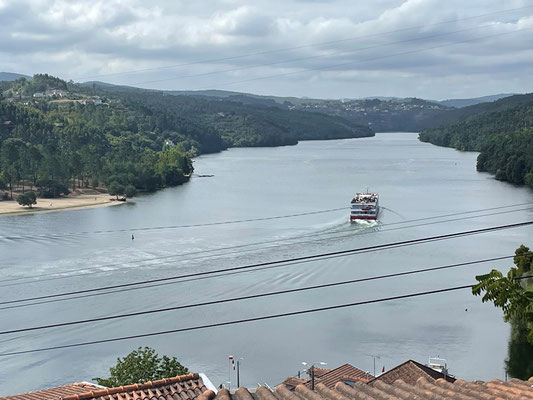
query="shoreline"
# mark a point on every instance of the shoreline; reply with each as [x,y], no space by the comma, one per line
[76,202]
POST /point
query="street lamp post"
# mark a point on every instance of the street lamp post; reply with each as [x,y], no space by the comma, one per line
[374,358]
[238,375]
[239,372]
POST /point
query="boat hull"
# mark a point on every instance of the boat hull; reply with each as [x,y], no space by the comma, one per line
[363,218]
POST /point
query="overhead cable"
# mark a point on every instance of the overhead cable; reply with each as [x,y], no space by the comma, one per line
[255,296]
[239,321]
[290,260]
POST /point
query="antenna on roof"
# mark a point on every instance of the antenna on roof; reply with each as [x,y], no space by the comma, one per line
[374,357]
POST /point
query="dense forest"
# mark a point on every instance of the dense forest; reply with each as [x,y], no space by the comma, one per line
[501,131]
[382,115]
[56,136]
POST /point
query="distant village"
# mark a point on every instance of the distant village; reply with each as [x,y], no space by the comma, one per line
[371,105]
[54,96]
[25,91]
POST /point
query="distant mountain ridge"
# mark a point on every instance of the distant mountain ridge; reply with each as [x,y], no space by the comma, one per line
[380,113]
[459,103]
[11,76]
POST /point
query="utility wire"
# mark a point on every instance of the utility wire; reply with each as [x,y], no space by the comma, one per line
[172,258]
[303,46]
[323,55]
[175,282]
[204,224]
[295,259]
[229,222]
[361,60]
[255,296]
[239,321]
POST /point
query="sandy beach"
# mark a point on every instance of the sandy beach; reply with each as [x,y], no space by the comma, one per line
[72,201]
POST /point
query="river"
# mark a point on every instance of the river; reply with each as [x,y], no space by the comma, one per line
[75,250]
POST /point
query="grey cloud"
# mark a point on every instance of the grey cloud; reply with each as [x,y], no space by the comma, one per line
[90,38]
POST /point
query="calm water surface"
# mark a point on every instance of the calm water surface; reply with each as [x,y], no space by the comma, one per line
[75,250]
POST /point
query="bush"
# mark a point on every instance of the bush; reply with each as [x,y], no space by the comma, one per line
[27,199]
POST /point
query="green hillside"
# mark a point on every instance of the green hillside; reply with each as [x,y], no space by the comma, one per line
[501,131]
[56,136]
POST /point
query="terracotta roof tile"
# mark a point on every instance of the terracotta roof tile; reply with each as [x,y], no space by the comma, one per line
[321,371]
[346,373]
[291,382]
[54,393]
[262,393]
[185,387]
[424,388]
[283,393]
[409,372]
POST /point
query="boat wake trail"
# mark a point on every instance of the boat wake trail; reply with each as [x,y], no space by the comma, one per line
[360,225]
[392,211]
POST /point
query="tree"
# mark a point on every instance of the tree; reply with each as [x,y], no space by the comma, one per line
[27,199]
[11,158]
[513,293]
[116,189]
[3,185]
[142,365]
[130,191]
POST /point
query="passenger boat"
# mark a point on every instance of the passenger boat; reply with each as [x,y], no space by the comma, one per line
[364,206]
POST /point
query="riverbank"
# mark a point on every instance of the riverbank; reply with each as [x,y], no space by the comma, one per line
[72,201]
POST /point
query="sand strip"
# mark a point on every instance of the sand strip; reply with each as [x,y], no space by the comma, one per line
[8,207]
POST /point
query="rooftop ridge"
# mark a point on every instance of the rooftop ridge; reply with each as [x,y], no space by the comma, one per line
[129,388]
[48,392]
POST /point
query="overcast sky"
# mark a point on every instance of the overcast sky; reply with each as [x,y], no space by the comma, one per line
[314,48]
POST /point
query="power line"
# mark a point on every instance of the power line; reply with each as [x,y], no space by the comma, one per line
[174,282]
[361,60]
[290,260]
[204,224]
[245,220]
[303,46]
[322,55]
[239,321]
[171,258]
[255,296]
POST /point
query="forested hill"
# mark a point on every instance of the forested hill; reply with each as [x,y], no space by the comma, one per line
[56,136]
[225,123]
[381,114]
[501,131]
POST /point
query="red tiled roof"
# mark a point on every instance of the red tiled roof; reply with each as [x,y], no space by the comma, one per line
[54,393]
[320,371]
[184,387]
[345,372]
[291,382]
[423,389]
[409,372]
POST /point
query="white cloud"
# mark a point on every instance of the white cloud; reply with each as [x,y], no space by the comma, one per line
[79,38]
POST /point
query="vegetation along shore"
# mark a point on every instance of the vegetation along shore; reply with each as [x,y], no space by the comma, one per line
[57,137]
